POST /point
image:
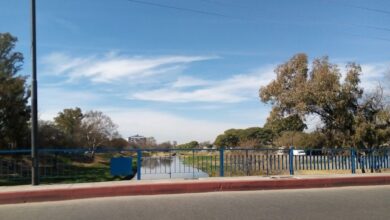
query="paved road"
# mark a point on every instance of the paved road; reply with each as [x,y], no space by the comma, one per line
[371,202]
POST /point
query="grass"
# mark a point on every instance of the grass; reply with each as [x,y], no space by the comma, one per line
[207,163]
[210,164]
[236,165]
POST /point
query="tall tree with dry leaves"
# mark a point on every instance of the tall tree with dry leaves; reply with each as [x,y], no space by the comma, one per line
[300,91]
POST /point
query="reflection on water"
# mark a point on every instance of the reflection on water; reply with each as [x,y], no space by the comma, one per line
[168,168]
[153,163]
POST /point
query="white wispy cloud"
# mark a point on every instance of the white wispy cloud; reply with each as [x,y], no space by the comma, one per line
[113,67]
[53,100]
[235,89]
[187,81]
[374,74]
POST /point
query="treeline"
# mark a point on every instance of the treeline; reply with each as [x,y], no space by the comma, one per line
[151,142]
[172,144]
[73,128]
[234,138]
[195,145]
[250,137]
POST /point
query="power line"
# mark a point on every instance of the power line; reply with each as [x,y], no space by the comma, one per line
[360,26]
[266,20]
[182,9]
[368,9]
[375,27]
[228,16]
[365,36]
[360,7]
[222,3]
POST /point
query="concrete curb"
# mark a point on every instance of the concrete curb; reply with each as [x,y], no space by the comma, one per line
[189,186]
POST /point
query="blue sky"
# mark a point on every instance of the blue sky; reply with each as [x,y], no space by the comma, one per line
[187,69]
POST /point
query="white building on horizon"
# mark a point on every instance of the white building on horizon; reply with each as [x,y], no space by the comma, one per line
[137,139]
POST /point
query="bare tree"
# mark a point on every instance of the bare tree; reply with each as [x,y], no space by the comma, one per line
[98,129]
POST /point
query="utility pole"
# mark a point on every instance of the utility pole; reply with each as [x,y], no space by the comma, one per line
[34,101]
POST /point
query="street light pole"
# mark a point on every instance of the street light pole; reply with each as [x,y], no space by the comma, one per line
[34,101]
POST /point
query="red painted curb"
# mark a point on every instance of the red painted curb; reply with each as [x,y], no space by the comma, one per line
[186,187]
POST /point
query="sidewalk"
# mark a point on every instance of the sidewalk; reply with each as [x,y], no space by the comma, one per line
[28,193]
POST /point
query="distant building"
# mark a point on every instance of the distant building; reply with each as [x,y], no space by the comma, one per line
[137,139]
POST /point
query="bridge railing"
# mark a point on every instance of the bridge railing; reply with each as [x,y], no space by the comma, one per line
[82,165]
[59,165]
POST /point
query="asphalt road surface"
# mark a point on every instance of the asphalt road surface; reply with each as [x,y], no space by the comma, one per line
[371,202]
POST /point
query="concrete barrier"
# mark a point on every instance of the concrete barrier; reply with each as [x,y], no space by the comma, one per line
[11,195]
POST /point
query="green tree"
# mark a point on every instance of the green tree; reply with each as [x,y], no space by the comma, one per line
[50,135]
[189,145]
[278,124]
[69,122]
[255,137]
[118,143]
[72,128]
[14,111]
[250,137]
[230,138]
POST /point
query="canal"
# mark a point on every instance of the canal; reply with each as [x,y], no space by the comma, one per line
[169,167]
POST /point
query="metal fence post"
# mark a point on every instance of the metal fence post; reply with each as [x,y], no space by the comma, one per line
[246,162]
[291,156]
[221,161]
[353,160]
[267,160]
[139,162]
[193,163]
[371,162]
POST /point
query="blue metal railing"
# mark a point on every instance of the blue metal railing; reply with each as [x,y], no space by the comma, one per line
[82,165]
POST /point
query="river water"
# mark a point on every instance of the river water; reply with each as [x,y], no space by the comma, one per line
[171,167]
